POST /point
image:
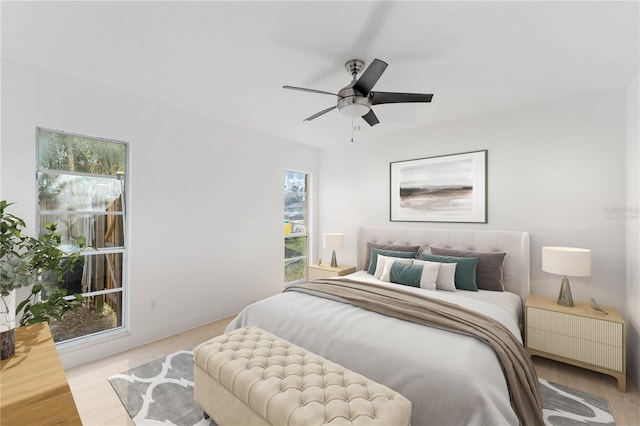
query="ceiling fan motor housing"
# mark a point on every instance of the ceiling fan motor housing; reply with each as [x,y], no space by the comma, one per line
[352,103]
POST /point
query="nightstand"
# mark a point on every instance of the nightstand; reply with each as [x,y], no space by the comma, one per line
[577,335]
[317,272]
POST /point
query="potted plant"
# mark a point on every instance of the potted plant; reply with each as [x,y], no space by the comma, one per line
[23,260]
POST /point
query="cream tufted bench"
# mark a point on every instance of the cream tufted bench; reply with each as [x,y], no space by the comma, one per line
[250,377]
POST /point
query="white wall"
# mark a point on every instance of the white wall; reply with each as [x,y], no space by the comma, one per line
[633,231]
[206,199]
[555,170]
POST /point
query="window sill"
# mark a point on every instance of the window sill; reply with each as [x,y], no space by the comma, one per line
[94,339]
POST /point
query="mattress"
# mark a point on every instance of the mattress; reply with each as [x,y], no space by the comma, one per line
[451,379]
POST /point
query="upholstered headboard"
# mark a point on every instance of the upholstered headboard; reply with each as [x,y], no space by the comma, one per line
[514,243]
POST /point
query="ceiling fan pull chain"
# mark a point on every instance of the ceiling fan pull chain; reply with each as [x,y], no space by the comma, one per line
[353,125]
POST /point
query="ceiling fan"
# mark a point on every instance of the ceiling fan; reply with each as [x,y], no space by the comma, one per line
[357,98]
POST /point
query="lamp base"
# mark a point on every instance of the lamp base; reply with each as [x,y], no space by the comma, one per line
[334,262]
[565,298]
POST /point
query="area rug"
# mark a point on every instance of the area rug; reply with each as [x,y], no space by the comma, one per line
[161,393]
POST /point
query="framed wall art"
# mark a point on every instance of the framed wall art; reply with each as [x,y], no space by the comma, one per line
[447,188]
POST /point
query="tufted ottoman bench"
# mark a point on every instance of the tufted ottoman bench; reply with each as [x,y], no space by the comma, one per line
[250,377]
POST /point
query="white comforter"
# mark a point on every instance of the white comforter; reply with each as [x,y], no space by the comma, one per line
[451,379]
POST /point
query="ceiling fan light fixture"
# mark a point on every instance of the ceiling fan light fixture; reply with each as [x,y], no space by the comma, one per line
[354,106]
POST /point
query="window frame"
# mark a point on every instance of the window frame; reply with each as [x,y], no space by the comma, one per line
[123,328]
[307,235]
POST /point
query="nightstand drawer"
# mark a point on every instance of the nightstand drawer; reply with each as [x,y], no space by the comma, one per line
[595,330]
[587,351]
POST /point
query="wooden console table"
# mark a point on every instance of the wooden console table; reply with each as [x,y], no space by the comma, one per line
[33,386]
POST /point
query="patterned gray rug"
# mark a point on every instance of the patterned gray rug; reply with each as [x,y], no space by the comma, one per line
[161,393]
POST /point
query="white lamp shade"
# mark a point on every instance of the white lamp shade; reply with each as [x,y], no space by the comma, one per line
[575,262]
[333,240]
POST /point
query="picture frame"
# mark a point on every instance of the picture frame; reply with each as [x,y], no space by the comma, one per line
[446,188]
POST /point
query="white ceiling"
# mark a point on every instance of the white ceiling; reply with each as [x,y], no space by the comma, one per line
[227,61]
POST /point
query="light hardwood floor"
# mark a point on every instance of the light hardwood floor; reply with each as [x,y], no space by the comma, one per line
[624,406]
[98,404]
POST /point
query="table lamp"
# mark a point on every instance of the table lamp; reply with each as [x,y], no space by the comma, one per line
[575,262]
[333,241]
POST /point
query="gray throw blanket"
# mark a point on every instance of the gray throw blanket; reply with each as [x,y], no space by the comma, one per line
[521,377]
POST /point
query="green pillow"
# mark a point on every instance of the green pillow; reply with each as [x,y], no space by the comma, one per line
[375,252]
[465,277]
[406,274]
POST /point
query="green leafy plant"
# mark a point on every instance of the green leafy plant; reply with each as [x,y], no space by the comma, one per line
[23,259]
[54,307]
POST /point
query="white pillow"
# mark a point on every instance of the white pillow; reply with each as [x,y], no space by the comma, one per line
[429,273]
[446,275]
[388,263]
[380,266]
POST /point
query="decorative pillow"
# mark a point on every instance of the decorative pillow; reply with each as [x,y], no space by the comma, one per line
[489,272]
[374,257]
[447,277]
[465,276]
[406,274]
[429,277]
[388,264]
[392,247]
[446,274]
[382,260]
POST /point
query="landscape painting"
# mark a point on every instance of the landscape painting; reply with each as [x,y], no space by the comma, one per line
[450,188]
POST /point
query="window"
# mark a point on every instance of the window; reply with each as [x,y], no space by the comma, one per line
[81,189]
[296,238]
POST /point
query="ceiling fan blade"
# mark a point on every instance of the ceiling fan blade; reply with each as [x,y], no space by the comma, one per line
[371,118]
[318,114]
[370,76]
[398,98]
[304,89]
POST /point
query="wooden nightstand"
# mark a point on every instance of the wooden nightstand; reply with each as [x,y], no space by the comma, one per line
[317,272]
[577,335]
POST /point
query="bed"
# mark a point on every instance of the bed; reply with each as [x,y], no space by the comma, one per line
[451,378]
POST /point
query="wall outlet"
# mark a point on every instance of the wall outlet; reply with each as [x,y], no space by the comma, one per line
[154,303]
